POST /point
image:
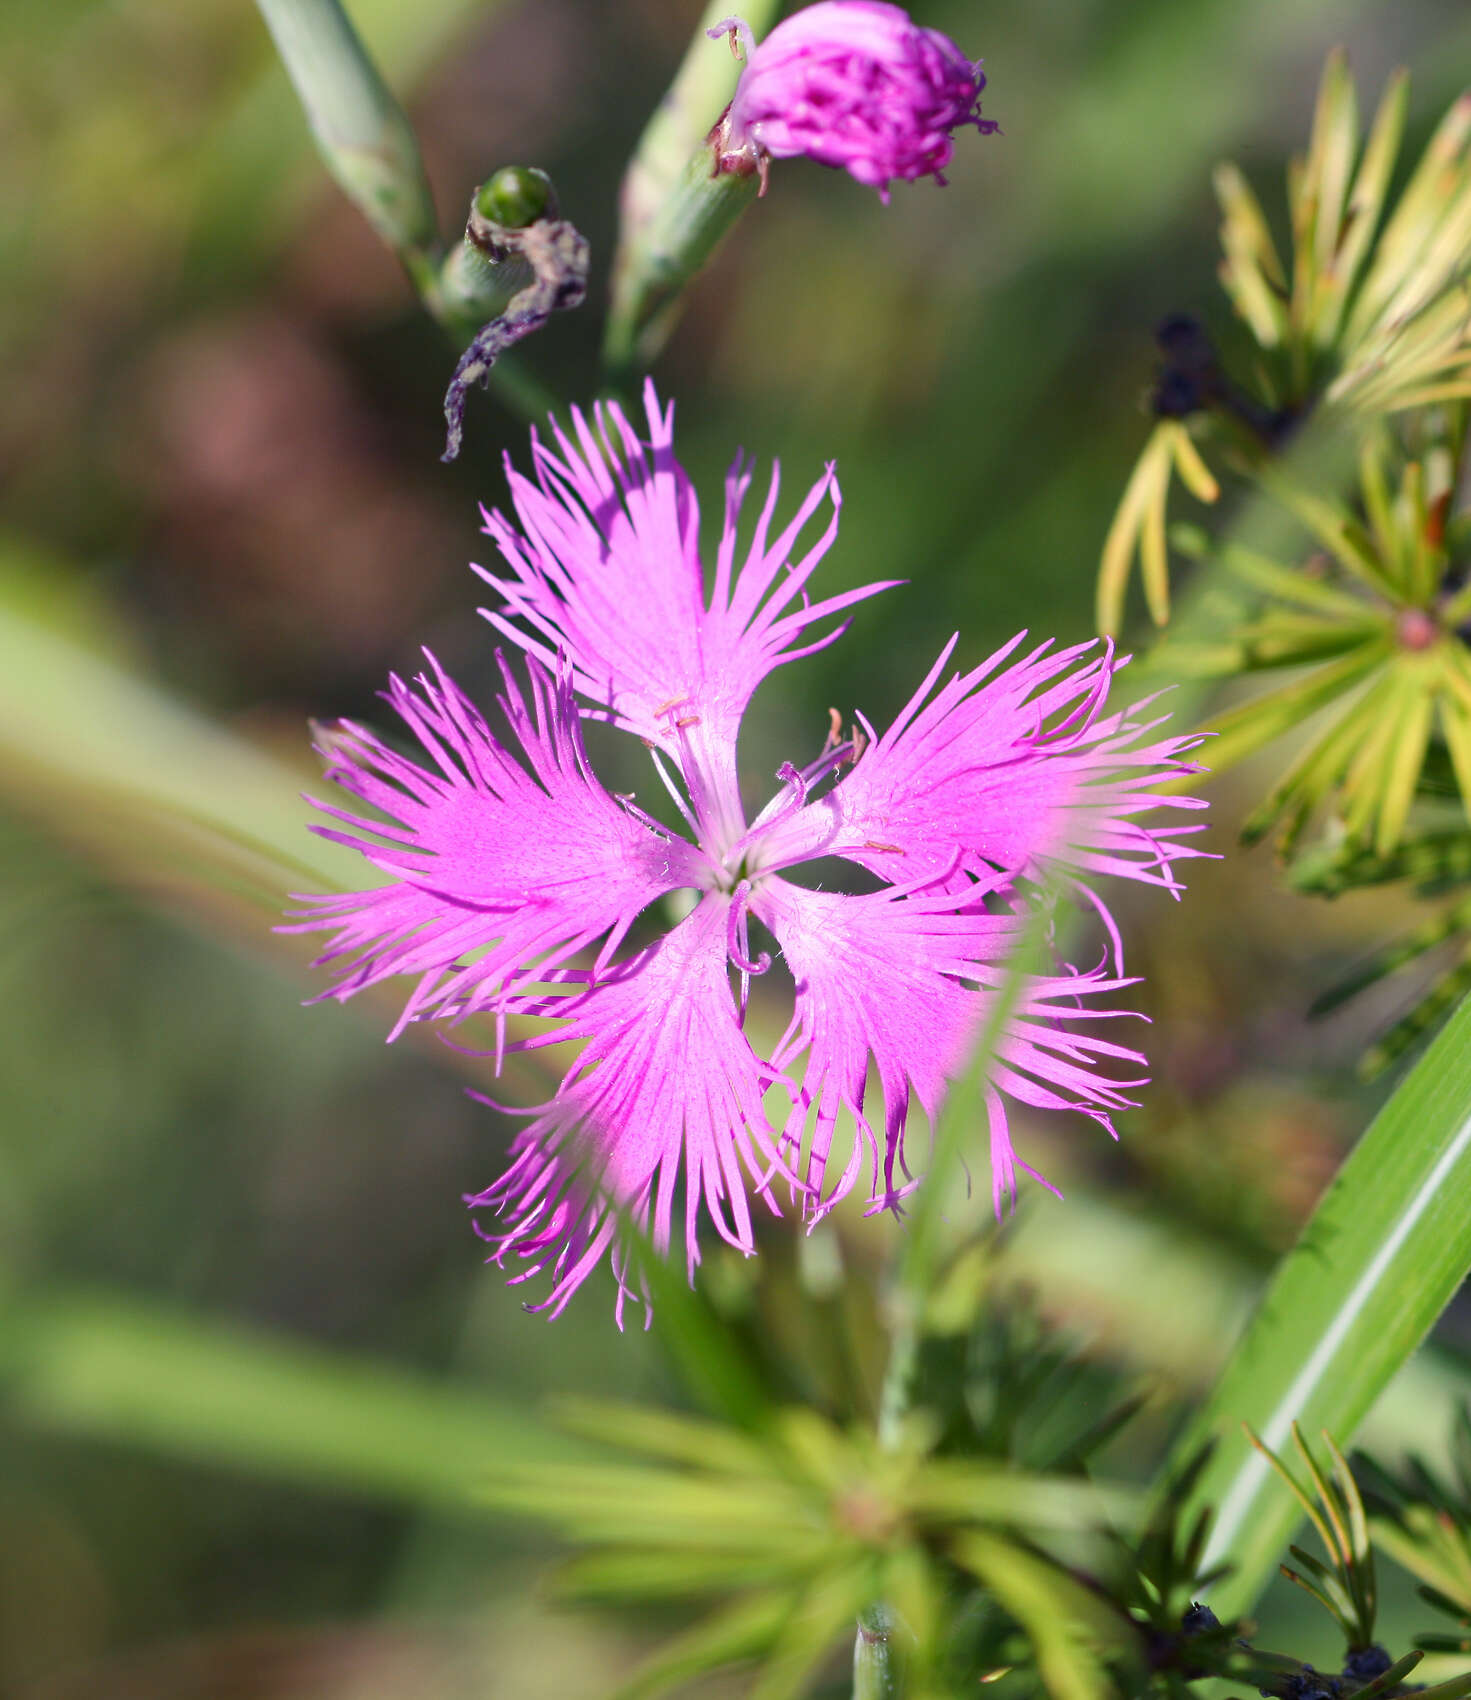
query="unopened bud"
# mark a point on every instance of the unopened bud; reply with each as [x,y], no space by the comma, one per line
[517,195]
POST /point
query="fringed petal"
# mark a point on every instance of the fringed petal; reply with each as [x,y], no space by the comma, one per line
[605,569]
[663,1103]
[1015,769]
[499,864]
[902,979]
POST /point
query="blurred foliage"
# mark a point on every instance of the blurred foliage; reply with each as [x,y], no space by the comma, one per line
[1363,337]
[1424,1523]
[247,1355]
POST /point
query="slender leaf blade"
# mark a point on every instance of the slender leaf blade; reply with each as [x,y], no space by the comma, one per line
[1386,1249]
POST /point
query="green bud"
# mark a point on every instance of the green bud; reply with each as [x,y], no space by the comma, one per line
[517,195]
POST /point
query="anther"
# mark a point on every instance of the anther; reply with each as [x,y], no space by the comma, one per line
[687,720]
[674,702]
[894,849]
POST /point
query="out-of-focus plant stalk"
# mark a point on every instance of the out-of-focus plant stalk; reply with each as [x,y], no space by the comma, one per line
[675,210]
[369,146]
[918,1266]
[362,133]
[874,1675]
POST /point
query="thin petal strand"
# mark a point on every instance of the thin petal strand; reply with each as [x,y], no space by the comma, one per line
[901,981]
[513,862]
[605,569]
[665,1098]
[1005,768]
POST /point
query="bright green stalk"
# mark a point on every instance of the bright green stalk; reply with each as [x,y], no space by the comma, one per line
[1384,1252]
[362,132]
[675,211]
[874,1674]
[699,212]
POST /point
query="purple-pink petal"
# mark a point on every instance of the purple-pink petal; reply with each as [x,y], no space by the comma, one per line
[662,1105]
[858,85]
[604,569]
[1005,768]
[526,861]
[902,980]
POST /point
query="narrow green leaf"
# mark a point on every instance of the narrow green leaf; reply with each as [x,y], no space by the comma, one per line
[1145,493]
[1388,1682]
[955,1490]
[1410,225]
[1366,200]
[1293,585]
[134,1373]
[1195,475]
[1281,639]
[617,1573]
[1331,152]
[1406,758]
[1385,1250]
[1069,1627]
[1240,730]
[658,1433]
[1339,532]
[742,1631]
[1334,1606]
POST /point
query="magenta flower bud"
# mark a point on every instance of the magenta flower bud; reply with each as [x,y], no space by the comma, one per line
[855,84]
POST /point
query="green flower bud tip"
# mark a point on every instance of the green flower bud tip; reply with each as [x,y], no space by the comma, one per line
[517,195]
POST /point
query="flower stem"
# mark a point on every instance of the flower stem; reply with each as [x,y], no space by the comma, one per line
[362,133]
[699,211]
[875,1674]
[368,144]
[674,210]
[919,1255]
[875,1669]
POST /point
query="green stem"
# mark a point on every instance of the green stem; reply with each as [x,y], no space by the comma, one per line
[673,212]
[901,1376]
[690,224]
[368,144]
[875,1672]
[362,132]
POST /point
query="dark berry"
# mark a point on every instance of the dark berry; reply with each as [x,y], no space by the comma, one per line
[1366,1663]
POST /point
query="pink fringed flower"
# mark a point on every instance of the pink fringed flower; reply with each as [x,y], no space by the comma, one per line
[514,879]
[854,84]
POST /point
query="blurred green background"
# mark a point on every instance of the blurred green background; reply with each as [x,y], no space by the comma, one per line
[250,1362]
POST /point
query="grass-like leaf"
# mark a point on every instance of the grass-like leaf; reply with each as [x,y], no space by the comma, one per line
[1385,1250]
